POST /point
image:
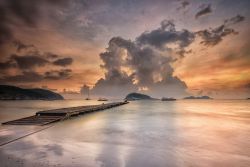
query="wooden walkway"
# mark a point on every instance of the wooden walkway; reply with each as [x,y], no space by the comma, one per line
[50,116]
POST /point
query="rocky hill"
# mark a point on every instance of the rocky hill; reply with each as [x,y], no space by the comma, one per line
[137,96]
[198,97]
[8,92]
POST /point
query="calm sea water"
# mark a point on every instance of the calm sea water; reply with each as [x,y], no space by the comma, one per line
[139,134]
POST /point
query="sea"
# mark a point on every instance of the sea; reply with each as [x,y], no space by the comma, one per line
[146,133]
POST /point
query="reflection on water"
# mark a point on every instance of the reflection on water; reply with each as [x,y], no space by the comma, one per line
[142,133]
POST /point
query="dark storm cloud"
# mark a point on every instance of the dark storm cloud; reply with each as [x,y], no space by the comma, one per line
[32,76]
[21,46]
[58,74]
[7,65]
[51,55]
[27,12]
[28,76]
[29,61]
[115,83]
[149,61]
[29,57]
[63,62]
[166,34]
[5,32]
[183,52]
[145,62]
[238,18]
[85,16]
[26,62]
[213,36]
[184,4]
[206,9]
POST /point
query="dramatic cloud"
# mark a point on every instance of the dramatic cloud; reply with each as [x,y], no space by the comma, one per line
[55,33]
[142,65]
[22,78]
[114,84]
[145,64]
[51,55]
[5,32]
[29,57]
[28,65]
[165,35]
[58,74]
[63,62]
[32,76]
[25,12]
[213,36]
[238,18]
[168,38]
[29,61]
[21,46]
[7,65]
[184,4]
[205,9]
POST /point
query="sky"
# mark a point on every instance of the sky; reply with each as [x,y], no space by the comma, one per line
[164,48]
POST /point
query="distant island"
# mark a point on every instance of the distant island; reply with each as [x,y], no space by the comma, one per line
[102,99]
[168,99]
[8,92]
[138,96]
[198,97]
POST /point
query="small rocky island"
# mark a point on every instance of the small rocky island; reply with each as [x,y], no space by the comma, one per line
[198,97]
[168,99]
[8,92]
[137,96]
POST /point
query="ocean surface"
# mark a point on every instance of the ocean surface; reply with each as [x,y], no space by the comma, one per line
[140,134]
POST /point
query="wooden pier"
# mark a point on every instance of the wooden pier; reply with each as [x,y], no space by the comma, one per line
[50,116]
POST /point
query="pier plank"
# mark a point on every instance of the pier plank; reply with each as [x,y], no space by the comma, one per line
[50,116]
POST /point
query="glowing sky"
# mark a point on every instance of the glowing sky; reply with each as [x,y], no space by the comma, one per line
[161,47]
